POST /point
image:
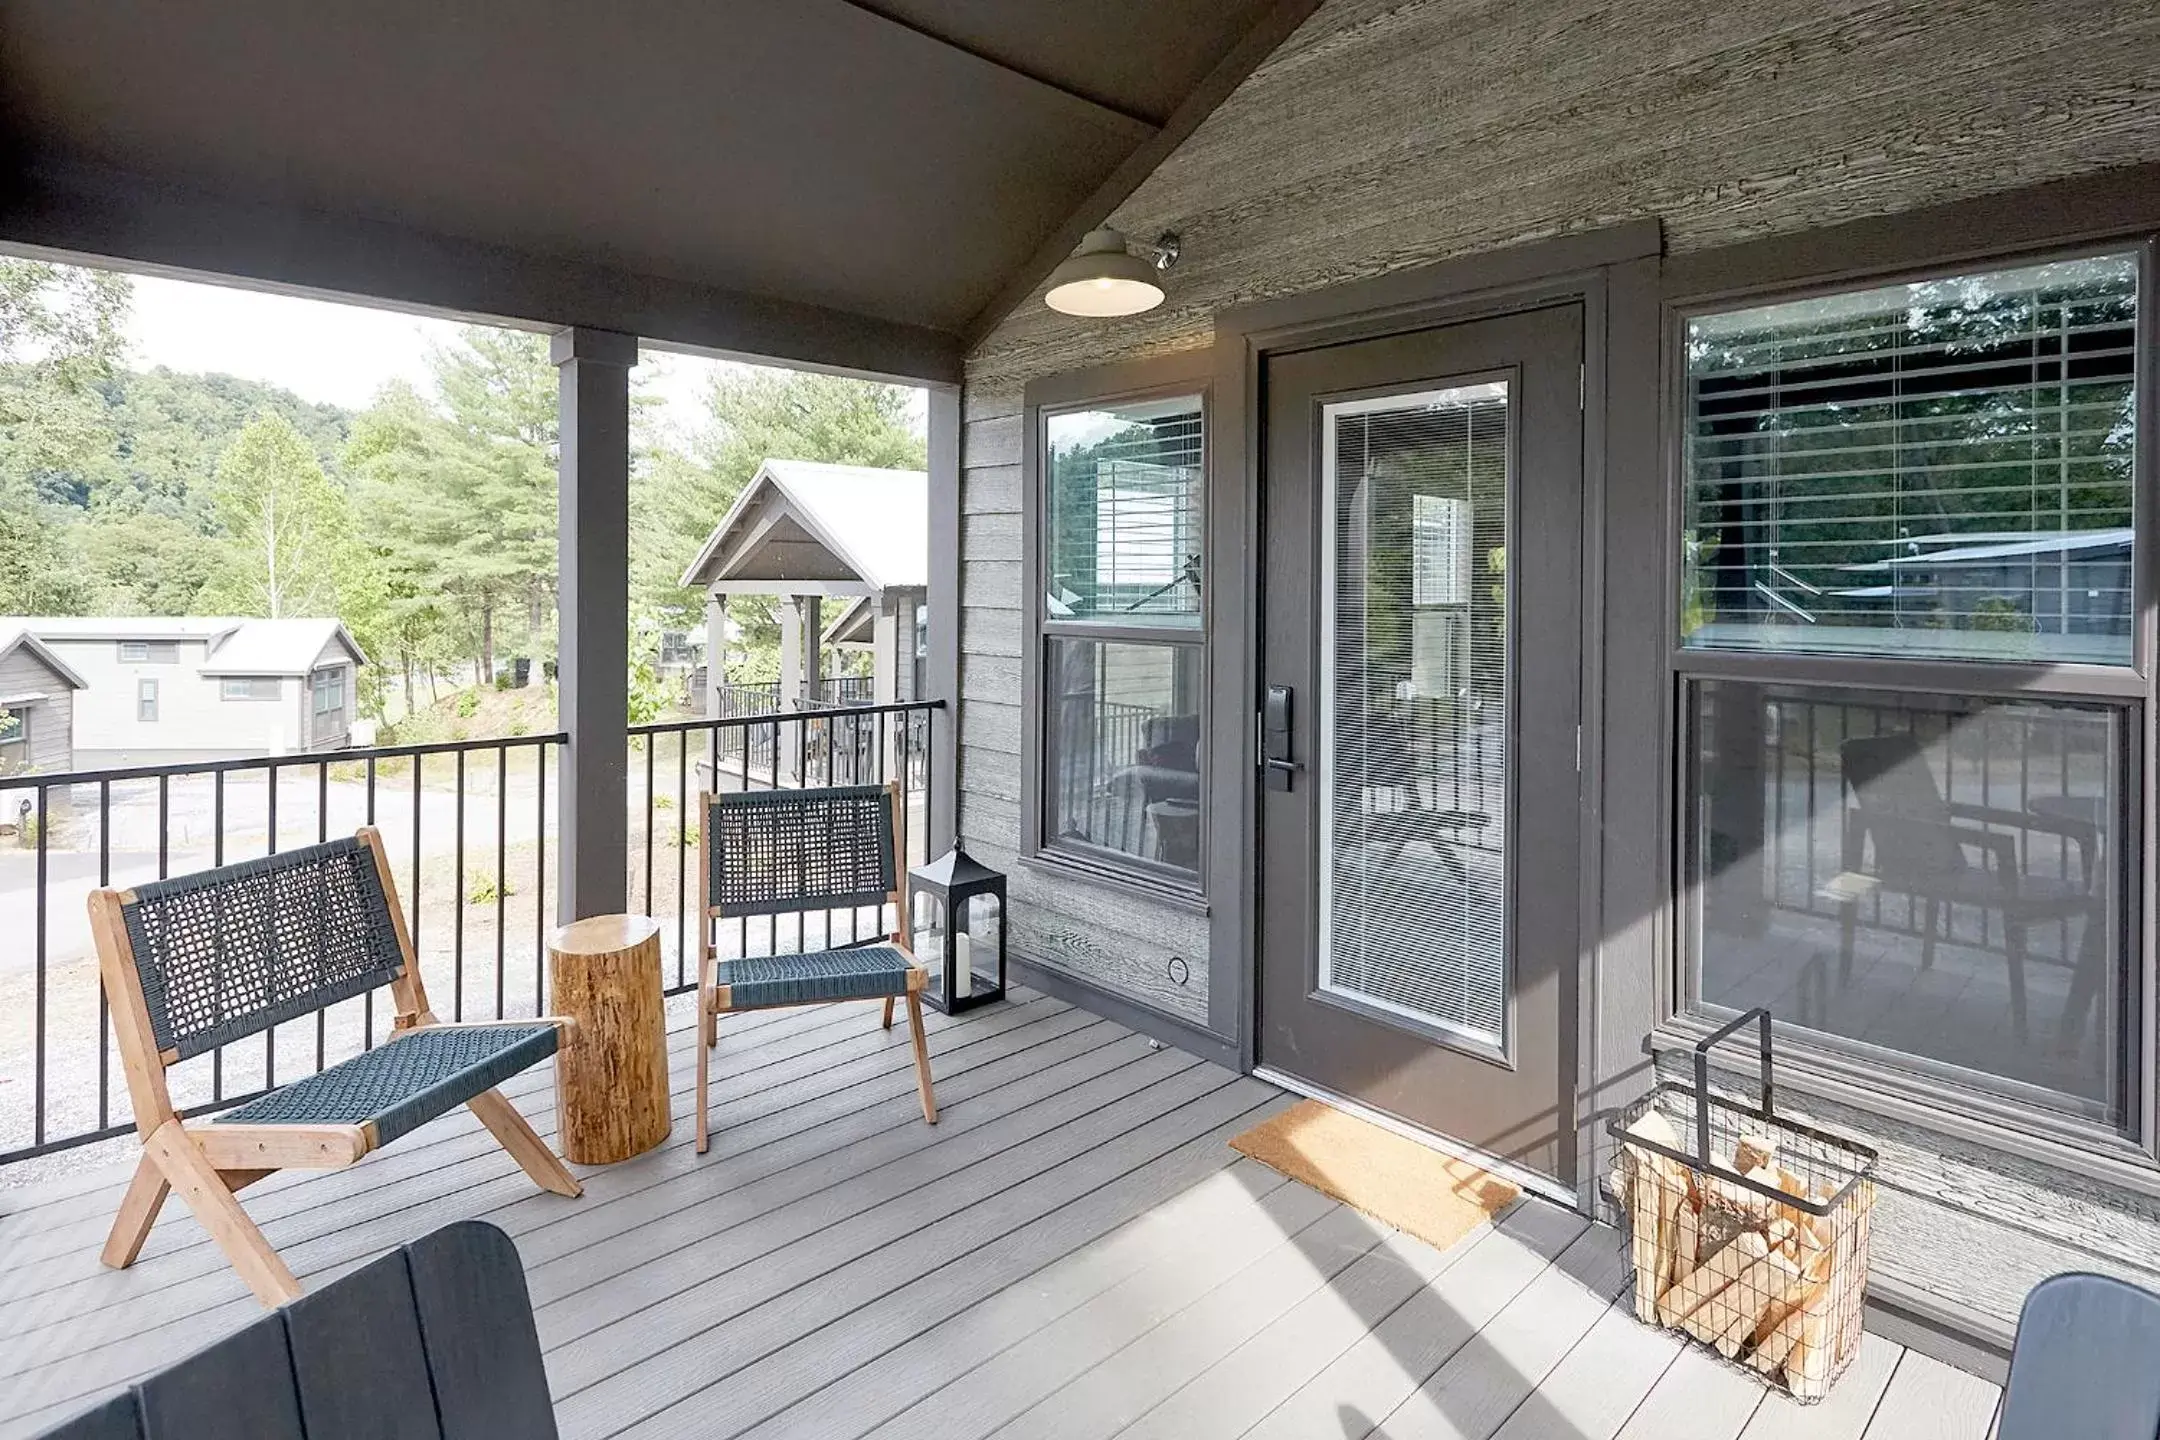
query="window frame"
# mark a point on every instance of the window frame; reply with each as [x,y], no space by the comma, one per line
[154,652]
[335,676]
[146,702]
[1185,373]
[248,684]
[1899,250]
[21,739]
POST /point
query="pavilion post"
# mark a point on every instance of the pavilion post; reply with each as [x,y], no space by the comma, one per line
[715,654]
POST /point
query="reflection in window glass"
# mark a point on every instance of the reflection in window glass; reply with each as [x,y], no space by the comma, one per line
[1124,514]
[1937,879]
[1121,752]
[1940,469]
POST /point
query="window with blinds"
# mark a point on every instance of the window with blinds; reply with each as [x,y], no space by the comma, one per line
[1940,469]
[1122,649]
[1415,695]
[1123,506]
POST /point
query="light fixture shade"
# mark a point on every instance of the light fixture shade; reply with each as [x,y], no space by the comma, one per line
[1103,278]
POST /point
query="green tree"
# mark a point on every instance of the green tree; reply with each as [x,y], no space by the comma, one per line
[286,525]
[36,577]
[460,495]
[60,334]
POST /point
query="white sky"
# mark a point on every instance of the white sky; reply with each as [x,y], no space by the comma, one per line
[336,353]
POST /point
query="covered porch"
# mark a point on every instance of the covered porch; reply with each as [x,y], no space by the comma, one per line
[1360,709]
[1074,1251]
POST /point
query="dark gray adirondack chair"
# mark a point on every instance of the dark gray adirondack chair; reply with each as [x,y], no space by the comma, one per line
[434,1341]
[2086,1363]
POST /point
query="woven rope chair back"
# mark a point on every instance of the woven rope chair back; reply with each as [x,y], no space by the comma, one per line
[228,953]
[774,852]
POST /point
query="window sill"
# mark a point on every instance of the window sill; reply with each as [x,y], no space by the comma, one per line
[2084,1148]
[1144,887]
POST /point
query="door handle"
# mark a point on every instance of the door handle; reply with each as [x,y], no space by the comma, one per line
[1275,717]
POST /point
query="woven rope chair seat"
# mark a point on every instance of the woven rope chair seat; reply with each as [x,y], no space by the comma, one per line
[405,1083]
[866,972]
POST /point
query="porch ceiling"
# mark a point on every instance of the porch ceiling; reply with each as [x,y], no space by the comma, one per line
[894,161]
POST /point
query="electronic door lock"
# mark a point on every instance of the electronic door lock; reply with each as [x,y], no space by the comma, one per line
[1275,715]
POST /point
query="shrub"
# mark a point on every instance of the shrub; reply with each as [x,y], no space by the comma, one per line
[482,890]
[468,704]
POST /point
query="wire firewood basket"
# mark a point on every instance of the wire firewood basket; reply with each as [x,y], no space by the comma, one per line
[1746,1231]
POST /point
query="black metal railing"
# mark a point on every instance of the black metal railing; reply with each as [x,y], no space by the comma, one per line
[63,834]
[470,831]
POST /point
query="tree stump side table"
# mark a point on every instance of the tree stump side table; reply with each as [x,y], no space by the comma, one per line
[611,1075]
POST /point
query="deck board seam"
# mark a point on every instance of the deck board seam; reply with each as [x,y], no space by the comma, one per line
[387,1184]
[1068,1201]
[509,1183]
[681,1339]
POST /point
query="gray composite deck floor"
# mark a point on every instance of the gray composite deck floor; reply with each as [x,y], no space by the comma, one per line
[1073,1252]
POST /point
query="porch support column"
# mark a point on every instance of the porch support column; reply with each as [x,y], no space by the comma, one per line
[885,676]
[942,667]
[715,653]
[592,671]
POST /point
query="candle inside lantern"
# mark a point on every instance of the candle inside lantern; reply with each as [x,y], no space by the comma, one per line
[963,970]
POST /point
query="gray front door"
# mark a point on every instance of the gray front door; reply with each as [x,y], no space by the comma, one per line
[1422,517]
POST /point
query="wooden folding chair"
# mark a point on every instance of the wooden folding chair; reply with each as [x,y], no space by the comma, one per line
[197,962]
[784,852]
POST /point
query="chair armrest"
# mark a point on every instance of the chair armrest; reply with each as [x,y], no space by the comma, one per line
[2081,832]
[2002,848]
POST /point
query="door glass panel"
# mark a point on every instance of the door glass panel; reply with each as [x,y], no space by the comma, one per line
[1414,705]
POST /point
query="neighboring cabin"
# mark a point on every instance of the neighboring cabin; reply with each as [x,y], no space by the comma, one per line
[151,691]
[37,704]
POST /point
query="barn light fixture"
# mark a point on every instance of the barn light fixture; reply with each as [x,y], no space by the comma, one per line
[1104,278]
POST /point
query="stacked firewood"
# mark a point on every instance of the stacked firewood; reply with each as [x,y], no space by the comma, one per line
[1766,1283]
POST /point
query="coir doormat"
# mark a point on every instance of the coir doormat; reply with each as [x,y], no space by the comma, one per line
[1377,1172]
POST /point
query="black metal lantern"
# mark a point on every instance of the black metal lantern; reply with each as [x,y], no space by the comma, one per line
[956,907]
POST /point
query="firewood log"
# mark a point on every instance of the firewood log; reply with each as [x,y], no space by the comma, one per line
[1754,1152]
[1687,1234]
[1772,1349]
[1654,1194]
[1779,1277]
[1689,1293]
[1807,1367]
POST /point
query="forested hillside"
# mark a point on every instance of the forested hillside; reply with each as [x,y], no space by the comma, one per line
[426,521]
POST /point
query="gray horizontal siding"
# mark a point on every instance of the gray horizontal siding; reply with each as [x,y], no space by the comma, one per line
[52,720]
[1990,1223]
